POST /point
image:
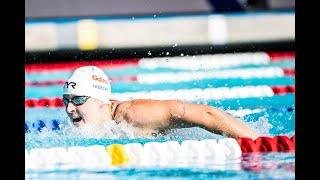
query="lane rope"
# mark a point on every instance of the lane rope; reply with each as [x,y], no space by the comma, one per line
[198,62]
[169,153]
[154,78]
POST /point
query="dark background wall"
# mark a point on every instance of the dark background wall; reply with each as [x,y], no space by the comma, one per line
[71,8]
[85,8]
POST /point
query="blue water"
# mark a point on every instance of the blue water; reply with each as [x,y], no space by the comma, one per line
[276,116]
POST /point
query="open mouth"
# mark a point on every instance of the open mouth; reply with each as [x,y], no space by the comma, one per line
[77,120]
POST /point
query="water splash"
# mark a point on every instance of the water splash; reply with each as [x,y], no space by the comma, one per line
[261,126]
[69,134]
[194,133]
[111,129]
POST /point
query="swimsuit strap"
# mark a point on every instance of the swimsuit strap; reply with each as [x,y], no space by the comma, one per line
[117,105]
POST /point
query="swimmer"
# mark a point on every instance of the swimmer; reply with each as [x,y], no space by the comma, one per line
[88,100]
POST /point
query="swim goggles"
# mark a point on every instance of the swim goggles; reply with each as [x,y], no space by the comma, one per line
[76,100]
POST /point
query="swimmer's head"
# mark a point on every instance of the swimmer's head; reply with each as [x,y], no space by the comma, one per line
[89,81]
[85,95]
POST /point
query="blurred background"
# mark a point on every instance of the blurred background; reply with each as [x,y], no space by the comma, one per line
[94,29]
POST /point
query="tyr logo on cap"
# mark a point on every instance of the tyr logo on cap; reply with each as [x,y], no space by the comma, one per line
[72,84]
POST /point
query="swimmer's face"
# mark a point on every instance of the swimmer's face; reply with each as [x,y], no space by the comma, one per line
[85,110]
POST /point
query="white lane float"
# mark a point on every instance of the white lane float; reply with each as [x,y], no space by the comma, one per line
[175,77]
[199,94]
[206,62]
[165,154]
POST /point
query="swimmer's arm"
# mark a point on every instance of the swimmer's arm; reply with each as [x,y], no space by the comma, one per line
[211,118]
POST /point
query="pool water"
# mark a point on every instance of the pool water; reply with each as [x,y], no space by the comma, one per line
[268,114]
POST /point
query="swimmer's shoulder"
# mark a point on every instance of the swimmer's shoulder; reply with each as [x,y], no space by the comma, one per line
[130,102]
[120,107]
[124,110]
[116,103]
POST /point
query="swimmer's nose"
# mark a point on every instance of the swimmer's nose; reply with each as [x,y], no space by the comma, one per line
[71,108]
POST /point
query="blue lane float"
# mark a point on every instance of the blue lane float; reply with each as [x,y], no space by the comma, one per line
[39,125]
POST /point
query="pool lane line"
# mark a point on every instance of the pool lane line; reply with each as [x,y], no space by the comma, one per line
[198,62]
[149,78]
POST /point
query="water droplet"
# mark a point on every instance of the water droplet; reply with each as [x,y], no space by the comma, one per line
[175,45]
[181,54]
[167,53]
[132,18]
[154,16]
[149,53]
